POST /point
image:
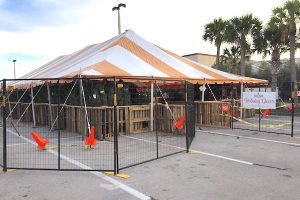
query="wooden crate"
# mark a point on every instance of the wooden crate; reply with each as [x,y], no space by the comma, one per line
[131,119]
[123,119]
[164,121]
[139,118]
[209,113]
[99,117]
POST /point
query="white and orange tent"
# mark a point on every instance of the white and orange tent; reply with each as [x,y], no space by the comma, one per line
[129,55]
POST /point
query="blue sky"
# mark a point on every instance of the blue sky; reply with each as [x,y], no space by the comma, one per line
[36,31]
[25,15]
[21,15]
[24,24]
[19,56]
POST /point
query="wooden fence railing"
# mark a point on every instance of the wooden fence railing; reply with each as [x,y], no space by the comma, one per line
[209,113]
[131,119]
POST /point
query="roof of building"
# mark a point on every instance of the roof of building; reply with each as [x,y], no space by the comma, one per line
[194,54]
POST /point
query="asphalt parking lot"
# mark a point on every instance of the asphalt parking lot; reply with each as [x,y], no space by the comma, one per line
[223,164]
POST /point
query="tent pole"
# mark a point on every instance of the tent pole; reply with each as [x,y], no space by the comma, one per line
[241,110]
[49,104]
[151,106]
[85,108]
[81,103]
[9,106]
[81,108]
[19,111]
[203,92]
[32,107]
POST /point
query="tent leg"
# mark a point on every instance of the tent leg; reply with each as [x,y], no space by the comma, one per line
[32,107]
[49,104]
[241,110]
[151,106]
[9,106]
[203,92]
[81,109]
[18,106]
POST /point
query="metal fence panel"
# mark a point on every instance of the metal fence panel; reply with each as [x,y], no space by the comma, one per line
[170,114]
[136,142]
[62,114]
[279,120]
[190,113]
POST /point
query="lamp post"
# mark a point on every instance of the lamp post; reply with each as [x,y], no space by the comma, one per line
[14,61]
[119,17]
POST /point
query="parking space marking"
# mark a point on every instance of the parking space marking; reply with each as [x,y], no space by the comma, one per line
[118,184]
[193,151]
[252,138]
[16,144]
[224,157]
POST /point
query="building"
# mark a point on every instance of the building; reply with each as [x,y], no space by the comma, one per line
[205,59]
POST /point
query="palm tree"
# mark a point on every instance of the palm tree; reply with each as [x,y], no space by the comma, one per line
[274,43]
[231,57]
[287,16]
[215,33]
[243,31]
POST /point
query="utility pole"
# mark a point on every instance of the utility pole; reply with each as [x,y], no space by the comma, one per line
[14,61]
[119,16]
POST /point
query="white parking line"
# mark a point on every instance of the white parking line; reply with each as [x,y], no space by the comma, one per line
[15,144]
[118,184]
[213,155]
[252,138]
[195,151]
[223,157]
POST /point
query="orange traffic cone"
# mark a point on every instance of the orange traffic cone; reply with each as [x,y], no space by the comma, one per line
[179,123]
[39,140]
[90,141]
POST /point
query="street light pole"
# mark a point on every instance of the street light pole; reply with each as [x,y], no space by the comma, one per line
[14,61]
[119,15]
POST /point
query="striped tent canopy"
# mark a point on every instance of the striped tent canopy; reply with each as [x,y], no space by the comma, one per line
[129,55]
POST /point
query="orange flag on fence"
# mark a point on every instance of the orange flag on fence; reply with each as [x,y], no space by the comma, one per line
[179,123]
[266,112]
[291,106]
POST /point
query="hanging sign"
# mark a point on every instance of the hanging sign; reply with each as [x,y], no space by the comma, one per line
[298,93]
[267,89]
[256,100]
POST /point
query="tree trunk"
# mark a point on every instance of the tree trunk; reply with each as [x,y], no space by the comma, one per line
[276,65]
[218,56]
[243,55]
[292,38]
[234,66]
